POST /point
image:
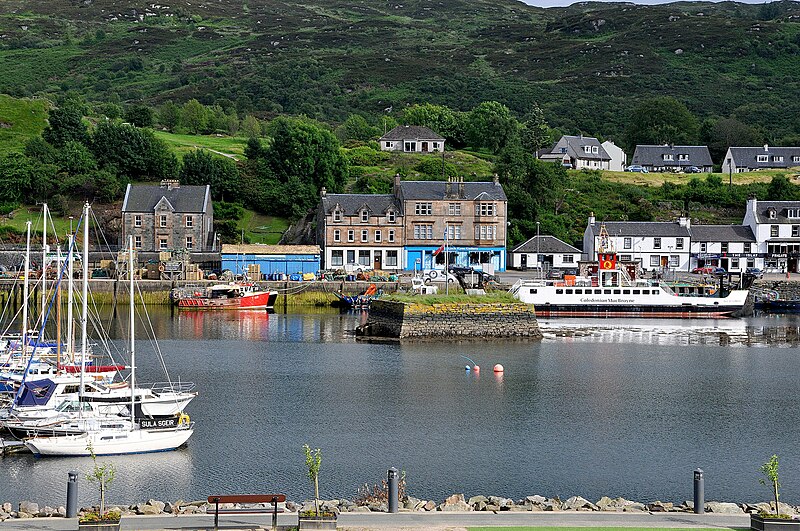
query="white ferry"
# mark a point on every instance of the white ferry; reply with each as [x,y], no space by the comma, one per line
[612,293]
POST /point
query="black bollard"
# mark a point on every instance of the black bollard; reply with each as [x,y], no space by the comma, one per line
[393,492]
[699,492]
[72,495]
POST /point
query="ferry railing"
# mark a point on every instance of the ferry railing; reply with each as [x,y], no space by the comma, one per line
[171,387]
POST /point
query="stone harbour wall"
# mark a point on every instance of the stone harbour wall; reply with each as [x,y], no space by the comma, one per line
[787,289]
[453,503]
[450,320]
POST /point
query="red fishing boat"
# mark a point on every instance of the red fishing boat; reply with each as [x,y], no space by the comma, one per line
[233,296]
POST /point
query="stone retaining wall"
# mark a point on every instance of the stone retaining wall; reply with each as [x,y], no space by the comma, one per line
[787,289]
[450,320]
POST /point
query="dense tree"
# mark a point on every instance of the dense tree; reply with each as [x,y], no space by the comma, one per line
[356,128]
[15,174]
[491,126]
[139,115]
[661,120]
[193,116]
[39,149]
[535,134]
[303,150]
[169,115]
[780,189]
[131,152]
[75,158]
[253,150]
[721,134]
[65,124]
[251,126]
[202,167]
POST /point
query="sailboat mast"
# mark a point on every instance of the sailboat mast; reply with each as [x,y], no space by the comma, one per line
[25,290]
[70,301]
[85,294]
[133,342]
[58,313]
[44,262]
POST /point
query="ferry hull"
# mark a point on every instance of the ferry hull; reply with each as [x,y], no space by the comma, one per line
[551,310]
[253,301]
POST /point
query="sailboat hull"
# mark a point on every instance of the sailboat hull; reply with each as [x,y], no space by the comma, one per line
[109,443]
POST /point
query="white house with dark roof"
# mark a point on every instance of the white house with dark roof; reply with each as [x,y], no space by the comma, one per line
[776,227]
[742,159]
[412,139]
[578,152]
[547,252]
[618,157]
[168,217]
[673,158]
[732,247]
[655,245]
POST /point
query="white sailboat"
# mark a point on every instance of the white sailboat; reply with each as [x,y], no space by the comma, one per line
[113,435]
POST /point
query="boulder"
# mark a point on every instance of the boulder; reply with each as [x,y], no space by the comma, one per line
[430,505]
[577,503]
[291,507]
[606,504]
[659,507]
[361,509]
[46,512]
[28,507]
[477,499]
[23,514]
[723,508]
[169,508]
[378,507]
[147,509]
[503,503]
[536,499]
[7,508]
[492,507]
[157,504]
[634,507]
[455,503]
[189,509]
[410,502]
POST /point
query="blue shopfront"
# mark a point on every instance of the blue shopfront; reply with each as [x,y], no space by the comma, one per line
[427,257]
[284,259]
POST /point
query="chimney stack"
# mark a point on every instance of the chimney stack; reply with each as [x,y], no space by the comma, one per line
[448,188]
[169,184]
[496,179]
[323,191]
[591,218]
[461,187]
[766,147]
[396,184]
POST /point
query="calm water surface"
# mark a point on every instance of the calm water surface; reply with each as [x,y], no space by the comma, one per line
[597,408]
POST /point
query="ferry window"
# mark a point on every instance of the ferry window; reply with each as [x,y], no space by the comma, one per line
[617,292]
[626,292]
[645,292]
[534,291]
[578,291]
[568,292]
[607,291]
[559,292]
[636,292]
[598,291]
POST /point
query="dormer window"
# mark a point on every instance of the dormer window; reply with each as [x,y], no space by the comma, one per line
[762,158]
[337,215]
[683,156]
[364,216]
[772,213]
[587,149]
[595,150]
[563,150]
[793,213]
[777,158]
[391,216]
[668,156]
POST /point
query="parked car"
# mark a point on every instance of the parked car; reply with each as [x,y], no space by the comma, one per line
[703,270]
[754,272]
[437,275]
[719,271]
[635,168]
[555,274]
[693,169]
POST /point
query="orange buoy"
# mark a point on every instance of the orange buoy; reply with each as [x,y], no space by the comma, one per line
[476,368]
[498,368]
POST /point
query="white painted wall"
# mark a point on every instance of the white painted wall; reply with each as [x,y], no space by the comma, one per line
[618,157]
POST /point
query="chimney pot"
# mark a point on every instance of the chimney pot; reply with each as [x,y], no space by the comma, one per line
[323,191]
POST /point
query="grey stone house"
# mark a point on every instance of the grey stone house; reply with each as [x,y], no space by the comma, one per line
[742,159]
[578,152]
[168,217]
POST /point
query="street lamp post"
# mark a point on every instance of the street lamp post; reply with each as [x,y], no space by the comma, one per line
[538,259]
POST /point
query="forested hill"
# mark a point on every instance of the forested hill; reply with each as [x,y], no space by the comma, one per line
[587,65]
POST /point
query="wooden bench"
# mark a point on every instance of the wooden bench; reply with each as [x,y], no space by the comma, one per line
[274,499]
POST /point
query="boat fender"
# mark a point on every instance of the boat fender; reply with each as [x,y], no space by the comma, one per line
[183,419]
[161,267]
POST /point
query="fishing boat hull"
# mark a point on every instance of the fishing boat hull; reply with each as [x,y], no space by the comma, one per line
[250,301]
[109,443]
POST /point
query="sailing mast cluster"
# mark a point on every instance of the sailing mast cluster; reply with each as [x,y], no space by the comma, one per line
[60,402]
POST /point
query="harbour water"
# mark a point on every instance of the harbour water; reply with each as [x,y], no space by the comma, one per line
[596,408]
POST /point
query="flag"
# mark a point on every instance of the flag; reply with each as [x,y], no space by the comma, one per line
[439,250]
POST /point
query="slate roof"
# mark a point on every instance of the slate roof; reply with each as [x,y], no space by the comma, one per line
[144,198]
[546,245]
[435,190]
[641,228]
[351,204]
[722,233]
[411,132]
[748,156]
[647,155]
[762,212]
[573,146]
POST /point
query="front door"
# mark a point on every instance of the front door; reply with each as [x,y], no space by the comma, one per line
[377,260]
[523,262]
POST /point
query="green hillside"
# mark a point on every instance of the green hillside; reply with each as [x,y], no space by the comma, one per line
[20,119]
[587,65]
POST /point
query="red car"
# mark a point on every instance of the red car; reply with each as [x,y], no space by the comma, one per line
[704,270]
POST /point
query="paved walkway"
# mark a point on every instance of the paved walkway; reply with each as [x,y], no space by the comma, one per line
[434,521]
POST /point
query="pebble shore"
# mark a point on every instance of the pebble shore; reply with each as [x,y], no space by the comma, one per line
[454,503]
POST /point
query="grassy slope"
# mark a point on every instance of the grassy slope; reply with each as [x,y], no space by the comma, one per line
[657,179]
[20,119]
[181,144]
[262,229]
[326,59]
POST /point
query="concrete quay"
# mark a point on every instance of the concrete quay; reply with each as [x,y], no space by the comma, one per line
[410,521]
